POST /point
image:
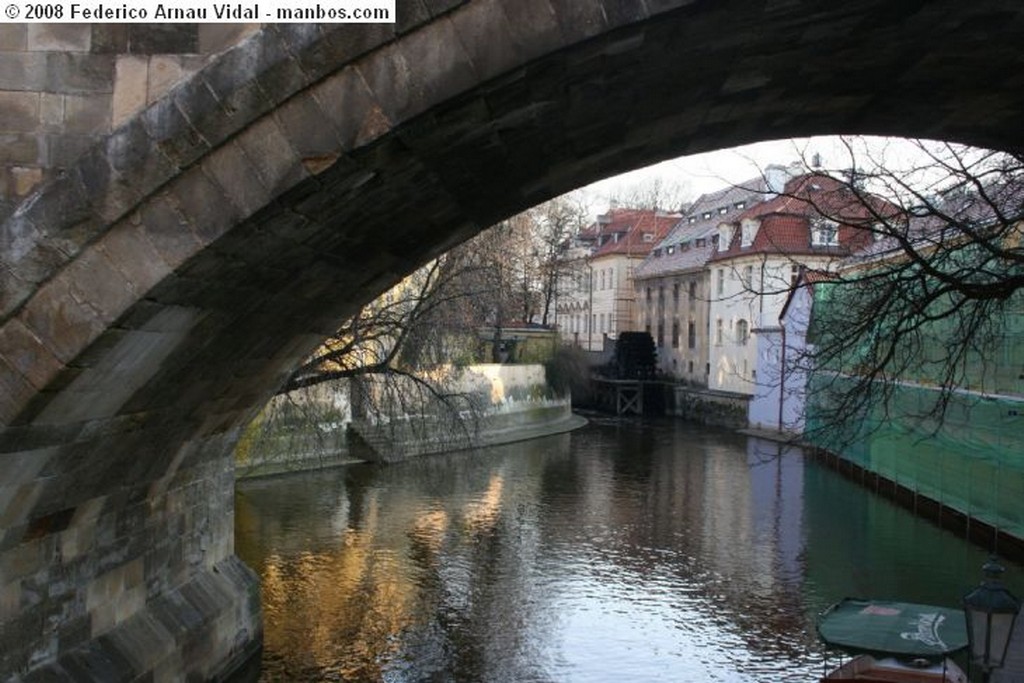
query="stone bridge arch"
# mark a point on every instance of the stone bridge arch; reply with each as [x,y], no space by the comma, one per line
[157,292]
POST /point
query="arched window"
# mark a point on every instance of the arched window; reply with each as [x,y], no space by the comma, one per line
[742,332]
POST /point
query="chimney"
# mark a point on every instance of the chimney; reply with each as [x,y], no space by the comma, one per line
[775,176]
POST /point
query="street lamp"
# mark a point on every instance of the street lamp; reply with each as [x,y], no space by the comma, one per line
[990,610]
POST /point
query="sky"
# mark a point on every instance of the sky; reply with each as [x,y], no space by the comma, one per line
[711,171]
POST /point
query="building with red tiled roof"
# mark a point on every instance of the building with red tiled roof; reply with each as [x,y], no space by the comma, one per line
[599,302]
[672,282]
[816,221]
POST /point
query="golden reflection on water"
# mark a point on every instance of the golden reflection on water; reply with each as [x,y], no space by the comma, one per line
[659,555]
[341,609]
[481,514]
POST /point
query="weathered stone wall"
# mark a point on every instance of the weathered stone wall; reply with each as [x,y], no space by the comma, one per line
[155,295]
[140,581]
[497,404]
[710,407]
[64,86]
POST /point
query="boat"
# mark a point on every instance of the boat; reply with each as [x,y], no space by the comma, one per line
[894,642]
[866,668]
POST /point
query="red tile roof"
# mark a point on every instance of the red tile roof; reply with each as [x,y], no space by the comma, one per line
[628,231]
[785,221]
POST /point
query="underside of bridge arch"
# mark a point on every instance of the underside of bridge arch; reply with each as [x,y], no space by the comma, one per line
[156,295]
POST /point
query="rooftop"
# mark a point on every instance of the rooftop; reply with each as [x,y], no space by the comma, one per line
[689,244]
[784,222]
[628,231]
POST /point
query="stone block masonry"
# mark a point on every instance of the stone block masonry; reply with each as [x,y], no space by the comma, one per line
[143,578]
[65,86]
[155,294]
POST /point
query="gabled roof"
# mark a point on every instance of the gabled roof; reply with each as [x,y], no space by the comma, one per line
[628,231]
[679,251]
[785,221]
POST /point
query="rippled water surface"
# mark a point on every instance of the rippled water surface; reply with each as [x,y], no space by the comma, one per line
[625,551]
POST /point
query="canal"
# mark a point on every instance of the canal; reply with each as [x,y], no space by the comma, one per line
[627,550]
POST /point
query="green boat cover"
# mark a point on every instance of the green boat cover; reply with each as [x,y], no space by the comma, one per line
[900,629]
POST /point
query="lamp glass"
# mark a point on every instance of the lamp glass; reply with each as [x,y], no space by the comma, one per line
[990,610]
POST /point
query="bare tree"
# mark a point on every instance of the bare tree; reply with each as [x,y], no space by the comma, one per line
[927,302]
[653,194]
[556,223]
[397,352]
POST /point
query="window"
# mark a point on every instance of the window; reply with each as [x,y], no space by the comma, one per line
[669,250]
[675,334]
[675,294]
[748,277]
[701,242]
[691,335]
[648,237]
[748,230]
[742,332]
[740,205]
[724,237]
[602,278]
[706,215]
[824,233]
[689,367]
[794,274]
[721,281]
[722,210]
[718,331]
[661,296]
[691,219]
[693,293]
[600,320]
[611,278]
[648,295]
[661,333]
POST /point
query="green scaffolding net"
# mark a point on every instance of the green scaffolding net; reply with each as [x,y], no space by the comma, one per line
[972,458]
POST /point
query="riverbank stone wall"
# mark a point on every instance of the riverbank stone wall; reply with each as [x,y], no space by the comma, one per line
[155,294]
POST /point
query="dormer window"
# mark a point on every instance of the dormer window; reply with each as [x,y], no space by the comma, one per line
[706,215]
[740,205]
[722,210]
[670,250]
[691,219]
[724,236]
[648,237]
[824,233]
[748,230]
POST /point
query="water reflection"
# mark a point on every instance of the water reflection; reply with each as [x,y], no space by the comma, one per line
[624,551]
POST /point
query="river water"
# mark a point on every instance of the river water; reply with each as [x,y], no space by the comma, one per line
[624,551]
